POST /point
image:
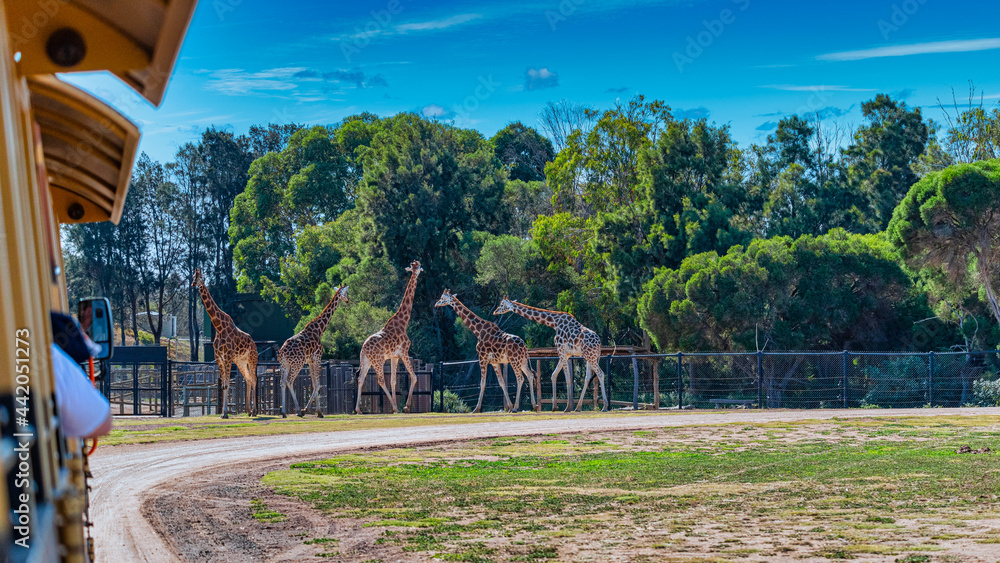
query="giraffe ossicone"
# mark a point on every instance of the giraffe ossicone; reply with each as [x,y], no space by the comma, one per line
[306,347]
[231,346]
[495,348]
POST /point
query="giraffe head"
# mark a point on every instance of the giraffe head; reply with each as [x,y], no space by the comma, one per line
[343,294]
[196,280]
[505,306]
[414,267]
[447,299]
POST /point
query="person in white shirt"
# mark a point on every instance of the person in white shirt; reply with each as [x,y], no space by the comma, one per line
[84,411]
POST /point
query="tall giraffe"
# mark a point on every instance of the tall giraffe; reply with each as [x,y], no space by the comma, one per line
[391,343]
[306,347]
[572,339]
[232,346]
[494,347]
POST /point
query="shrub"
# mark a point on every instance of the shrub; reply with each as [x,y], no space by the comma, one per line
[986,392]
[452,403]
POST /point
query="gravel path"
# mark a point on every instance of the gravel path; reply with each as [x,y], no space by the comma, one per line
[124,474]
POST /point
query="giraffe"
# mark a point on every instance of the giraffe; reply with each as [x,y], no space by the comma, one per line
[306,347]
[495,347]
[391,343]
[572,339]
[232,346]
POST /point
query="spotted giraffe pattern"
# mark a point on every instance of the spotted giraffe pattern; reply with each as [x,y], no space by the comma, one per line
[306,347]
[232,346]
[391,343]
[495,348]
[572,339]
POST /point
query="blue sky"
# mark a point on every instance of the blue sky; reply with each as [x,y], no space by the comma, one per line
[486,63]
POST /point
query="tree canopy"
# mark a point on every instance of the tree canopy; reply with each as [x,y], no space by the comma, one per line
[950,221]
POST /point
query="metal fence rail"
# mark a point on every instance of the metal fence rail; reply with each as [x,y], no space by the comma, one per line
[160,387]
[799,380]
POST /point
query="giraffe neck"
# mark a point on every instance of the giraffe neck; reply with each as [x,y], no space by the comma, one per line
[402,316]
[543,316]
[220,319]
[319,324]
[478,325]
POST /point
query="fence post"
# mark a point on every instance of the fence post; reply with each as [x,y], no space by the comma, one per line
[680,382]
[635,384]
[760,381]
[930,386]
[844,377]
[328,367]
[165,390]
[136,406]
[440,370]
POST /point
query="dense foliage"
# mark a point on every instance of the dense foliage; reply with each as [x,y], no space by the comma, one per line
[650,229]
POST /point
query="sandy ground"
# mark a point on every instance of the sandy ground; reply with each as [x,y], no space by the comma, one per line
[190,481]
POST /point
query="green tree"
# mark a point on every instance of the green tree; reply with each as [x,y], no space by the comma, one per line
[523,152]
[310,182]
[833,292]
[884,152]
[950,221]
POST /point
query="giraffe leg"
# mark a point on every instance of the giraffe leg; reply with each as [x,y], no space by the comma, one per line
[502,380]
[224,376]
[483,371]
[248,368]
[568,369]
[413,381]
[314,376]
[293,375]
[583,393]
[555,375]
[362,375]
[284,392]
[604,392]
[289,373]
[385,389]
[520,381]
[531,384]
[394,381]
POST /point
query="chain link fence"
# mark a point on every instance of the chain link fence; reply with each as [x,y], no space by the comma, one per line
[137,385]
[792,380]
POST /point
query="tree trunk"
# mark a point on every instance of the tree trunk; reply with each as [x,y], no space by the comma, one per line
[991,296]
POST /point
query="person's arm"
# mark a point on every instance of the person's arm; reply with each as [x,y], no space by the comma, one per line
[83,410]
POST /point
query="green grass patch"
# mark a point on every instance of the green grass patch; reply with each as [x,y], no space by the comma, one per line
[260,512]
[827,498]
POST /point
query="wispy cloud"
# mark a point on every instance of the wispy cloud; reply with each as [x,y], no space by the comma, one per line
[957,46]
[619,90]
[238,82]
[767,126]
[815,88]
[355,76]
[540,79]
[434,25]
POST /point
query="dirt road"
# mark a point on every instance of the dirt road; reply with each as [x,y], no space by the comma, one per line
[124,474]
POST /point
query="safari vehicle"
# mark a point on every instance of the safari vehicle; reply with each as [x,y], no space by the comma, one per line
[66,158]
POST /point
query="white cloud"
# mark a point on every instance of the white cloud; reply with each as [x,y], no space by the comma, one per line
[238,82]
[957,46]
[435,111]
[438,24]
[540,78]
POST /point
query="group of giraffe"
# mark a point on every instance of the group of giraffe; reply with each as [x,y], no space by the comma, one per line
[493,346]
